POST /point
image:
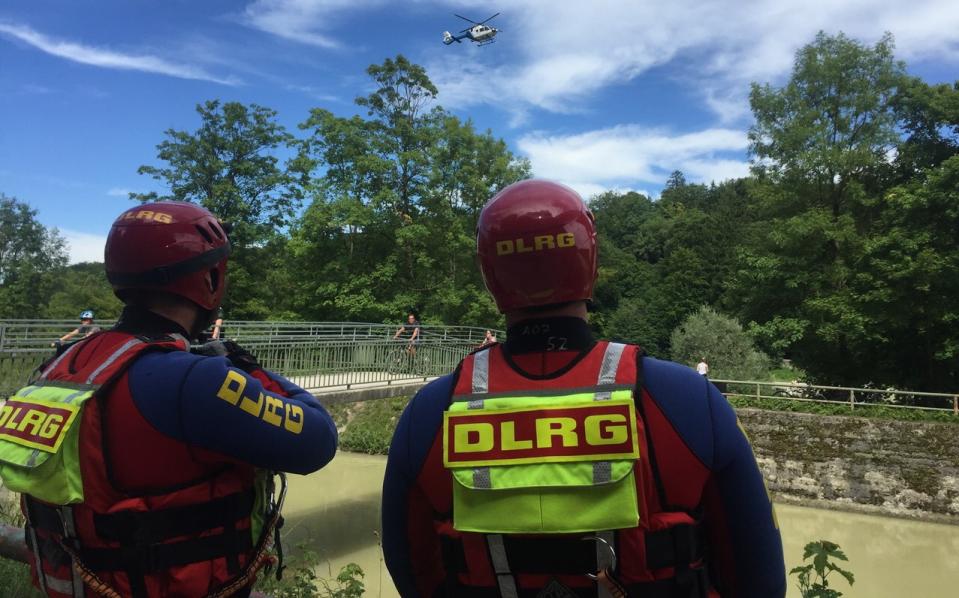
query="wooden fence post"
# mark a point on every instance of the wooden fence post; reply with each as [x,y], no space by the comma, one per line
[852,399]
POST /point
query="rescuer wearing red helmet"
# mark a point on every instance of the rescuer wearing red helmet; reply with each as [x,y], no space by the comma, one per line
[555,465]
[147,470]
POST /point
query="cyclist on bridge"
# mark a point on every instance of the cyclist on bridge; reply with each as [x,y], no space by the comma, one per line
[85,329]
[147,470]
[411,330]
[557,465]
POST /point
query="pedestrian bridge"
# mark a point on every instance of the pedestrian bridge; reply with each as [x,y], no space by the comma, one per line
[338,360]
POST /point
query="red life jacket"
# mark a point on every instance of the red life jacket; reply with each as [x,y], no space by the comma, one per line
[663,557]
[185,534]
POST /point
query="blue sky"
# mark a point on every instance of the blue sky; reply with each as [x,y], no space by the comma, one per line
[600,95]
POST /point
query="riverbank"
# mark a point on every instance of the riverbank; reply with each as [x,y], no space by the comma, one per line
[881,465]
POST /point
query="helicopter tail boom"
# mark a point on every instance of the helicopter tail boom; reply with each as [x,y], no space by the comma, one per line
[448,38]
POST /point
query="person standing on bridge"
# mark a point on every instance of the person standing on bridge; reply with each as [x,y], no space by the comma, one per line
[558,465]
[147,470]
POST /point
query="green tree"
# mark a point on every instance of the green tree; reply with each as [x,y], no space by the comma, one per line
[729,351]
[30,255]
[659,261]
[395,197]
[229,166]
[821,146]
[80,287]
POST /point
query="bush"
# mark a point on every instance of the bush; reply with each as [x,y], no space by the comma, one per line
[729,351]
[300,579]
[367,427]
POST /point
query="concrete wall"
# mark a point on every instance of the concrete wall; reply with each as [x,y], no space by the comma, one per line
[891,467]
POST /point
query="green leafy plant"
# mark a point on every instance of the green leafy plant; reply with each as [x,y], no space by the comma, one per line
[813,582]
[301,581]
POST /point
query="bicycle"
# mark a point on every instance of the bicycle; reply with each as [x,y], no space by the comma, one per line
[400,361]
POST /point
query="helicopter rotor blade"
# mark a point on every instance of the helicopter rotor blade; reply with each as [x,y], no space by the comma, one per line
[465,19]
[489,19]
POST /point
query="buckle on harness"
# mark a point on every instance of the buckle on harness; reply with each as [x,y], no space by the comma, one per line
[609,547]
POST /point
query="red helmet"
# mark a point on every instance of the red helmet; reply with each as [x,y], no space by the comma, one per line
[536,243]
[170,246]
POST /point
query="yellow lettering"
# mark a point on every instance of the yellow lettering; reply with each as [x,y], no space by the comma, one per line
[164,218]
[12,422]
[509,442]
[543,242]
[232,388]
[253,406]
[52,426]
[294,419]
[33,419]
[504,247]
[564,427]
[5,412]
[565,240]
[521,247]
[145,215]
[273,414]
[597,435]
[473,438]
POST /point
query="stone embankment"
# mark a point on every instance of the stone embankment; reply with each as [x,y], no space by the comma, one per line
[906,469]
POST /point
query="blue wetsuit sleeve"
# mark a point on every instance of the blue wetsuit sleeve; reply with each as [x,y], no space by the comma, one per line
[411,444]
[749,515]
[205,402]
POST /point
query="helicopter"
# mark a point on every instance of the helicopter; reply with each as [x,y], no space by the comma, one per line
[481,33]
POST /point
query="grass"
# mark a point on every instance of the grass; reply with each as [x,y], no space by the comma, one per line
[367,427]
[861,410]
[15,576]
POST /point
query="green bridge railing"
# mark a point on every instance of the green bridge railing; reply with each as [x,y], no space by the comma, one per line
[316,355]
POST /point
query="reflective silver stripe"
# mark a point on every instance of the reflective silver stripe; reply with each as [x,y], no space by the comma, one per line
[544,392]
[481,372]
[481,478]
[32,459]
[475,404]
[41,576]
[604,559]
[57,361]
[504,578]
[602,472]
[109,360]
[71,397]
[62,586]
[607,372]
[70,531]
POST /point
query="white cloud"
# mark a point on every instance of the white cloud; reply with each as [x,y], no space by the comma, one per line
[84,247]
[119,192]
[569,50]
[303,21]
[621,157]
[108,58]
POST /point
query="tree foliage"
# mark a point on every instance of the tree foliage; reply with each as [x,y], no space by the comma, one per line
[722,342]
[30,256]
[394,198]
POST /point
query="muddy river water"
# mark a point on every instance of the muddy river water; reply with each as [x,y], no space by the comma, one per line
[336,511]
